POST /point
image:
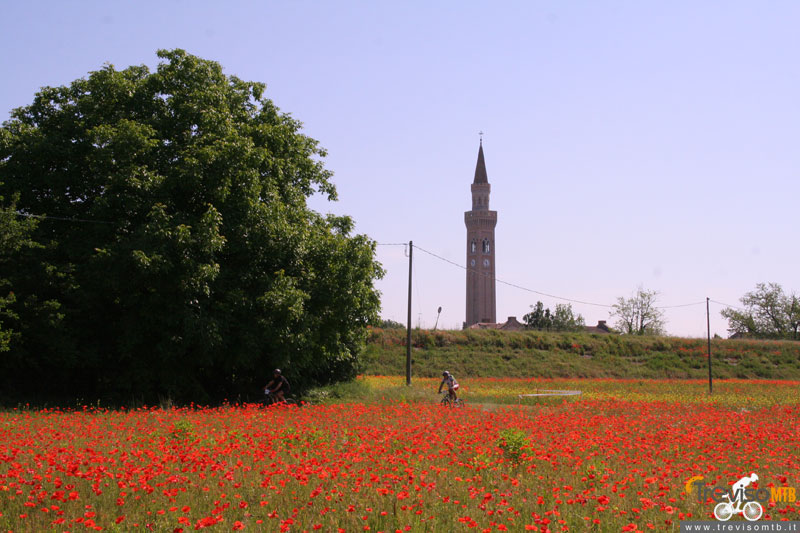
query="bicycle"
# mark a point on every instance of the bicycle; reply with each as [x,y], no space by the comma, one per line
[447,401]
[723,511]
[270,399]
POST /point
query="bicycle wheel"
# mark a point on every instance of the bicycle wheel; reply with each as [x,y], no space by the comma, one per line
[753,511]
[459,403]
[445,402]
[723,511]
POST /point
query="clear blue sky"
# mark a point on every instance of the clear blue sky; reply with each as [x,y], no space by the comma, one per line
[627,143]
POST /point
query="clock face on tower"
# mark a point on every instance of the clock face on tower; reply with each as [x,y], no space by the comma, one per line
[486,263]
[472,262]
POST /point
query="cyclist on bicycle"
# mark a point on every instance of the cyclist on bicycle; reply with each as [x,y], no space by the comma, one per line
[452,384]
[278,386]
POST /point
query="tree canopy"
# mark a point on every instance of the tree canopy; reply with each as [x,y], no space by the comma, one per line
[14,237]
[768,313]
[563,319]
[178,256]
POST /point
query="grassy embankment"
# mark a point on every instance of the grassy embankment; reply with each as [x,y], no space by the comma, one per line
[535,354]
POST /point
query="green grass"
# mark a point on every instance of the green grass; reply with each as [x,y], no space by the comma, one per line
[490,353]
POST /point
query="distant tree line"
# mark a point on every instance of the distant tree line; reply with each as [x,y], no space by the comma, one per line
[767,313]
[388,323]
[636,315]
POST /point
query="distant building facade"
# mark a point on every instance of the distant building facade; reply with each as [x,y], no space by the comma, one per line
[601,327]
[480,222]
[512,324]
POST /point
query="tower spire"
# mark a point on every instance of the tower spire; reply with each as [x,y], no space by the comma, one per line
[480,167]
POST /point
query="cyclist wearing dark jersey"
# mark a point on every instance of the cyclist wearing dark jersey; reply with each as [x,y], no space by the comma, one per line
[278,386]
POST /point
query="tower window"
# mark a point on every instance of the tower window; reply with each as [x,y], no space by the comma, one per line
[486,246]
[473,247]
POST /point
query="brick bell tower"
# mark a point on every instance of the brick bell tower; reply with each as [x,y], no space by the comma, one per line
[480,249]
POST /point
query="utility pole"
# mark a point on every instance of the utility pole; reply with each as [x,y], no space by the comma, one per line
[408,333]
[708,325]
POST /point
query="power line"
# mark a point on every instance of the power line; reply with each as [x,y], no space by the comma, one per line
[62,219]
[680,305]
[572,300]
[728,305]
[391,244]
[513,284]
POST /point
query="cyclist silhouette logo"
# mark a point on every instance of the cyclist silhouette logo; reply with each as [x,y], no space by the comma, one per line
[739,502]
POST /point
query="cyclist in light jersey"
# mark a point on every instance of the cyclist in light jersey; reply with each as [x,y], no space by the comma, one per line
[452,384]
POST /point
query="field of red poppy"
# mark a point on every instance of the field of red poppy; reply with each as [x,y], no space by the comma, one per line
[605,461]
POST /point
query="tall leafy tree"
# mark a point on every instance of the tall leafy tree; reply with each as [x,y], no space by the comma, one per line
[639,315]
[768,313]
[179,257]
[538,317]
